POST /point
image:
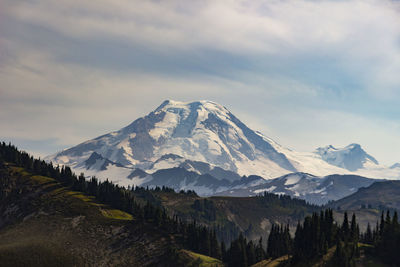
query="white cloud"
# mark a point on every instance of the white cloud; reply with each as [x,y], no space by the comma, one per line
[361,36]
[246,26]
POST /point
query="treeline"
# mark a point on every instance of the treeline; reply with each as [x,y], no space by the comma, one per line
[270,199]
[243,253]
[299,207]
[279,241]
[385,238]
[314,236]
[318,233]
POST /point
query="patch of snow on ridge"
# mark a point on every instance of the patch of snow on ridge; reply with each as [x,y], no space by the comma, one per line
[124,144]
[164,127]
[318,191]
[166,164]
[292,179]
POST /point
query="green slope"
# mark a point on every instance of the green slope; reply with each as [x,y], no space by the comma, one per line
[189,258]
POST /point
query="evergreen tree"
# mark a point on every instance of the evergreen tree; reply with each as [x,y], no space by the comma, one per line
[354,230]
[368,237]
[345,226]
[260,253]
[279,241]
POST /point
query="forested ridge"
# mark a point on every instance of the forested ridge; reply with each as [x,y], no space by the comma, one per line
[314,236]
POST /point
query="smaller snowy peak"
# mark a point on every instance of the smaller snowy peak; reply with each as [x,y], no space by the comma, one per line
[351,157]
[395,166]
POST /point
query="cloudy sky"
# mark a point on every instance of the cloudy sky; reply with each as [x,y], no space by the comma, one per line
[305,73]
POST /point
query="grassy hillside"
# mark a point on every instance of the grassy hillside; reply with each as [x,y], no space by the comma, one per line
[189,258]
[45,224]
[272,263]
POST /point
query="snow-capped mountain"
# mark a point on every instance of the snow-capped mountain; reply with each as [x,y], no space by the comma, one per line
[201,131]
[206,140]
[351,157]
[316,190]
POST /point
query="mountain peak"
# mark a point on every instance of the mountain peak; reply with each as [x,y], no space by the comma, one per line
[332,148]
[172,102]
[202,131]
[180,106]
[354,146]
[351,157]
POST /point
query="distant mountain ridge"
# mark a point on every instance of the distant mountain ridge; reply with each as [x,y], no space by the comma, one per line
[381,196]
[313,189]
[210,148]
